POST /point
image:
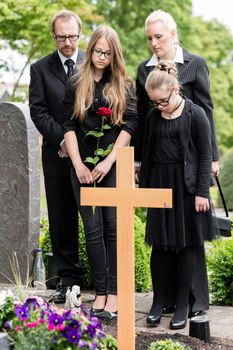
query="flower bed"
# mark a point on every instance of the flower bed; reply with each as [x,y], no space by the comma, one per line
[37,325]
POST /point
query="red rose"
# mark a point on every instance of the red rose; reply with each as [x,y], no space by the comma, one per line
[104,112]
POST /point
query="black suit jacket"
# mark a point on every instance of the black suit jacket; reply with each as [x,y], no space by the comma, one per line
[193,76]
[46,93]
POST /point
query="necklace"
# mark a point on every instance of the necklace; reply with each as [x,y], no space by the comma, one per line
[171,114]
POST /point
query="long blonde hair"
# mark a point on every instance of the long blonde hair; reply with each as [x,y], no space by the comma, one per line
[116,90]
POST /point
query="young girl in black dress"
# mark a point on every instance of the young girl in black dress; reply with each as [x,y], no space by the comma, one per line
[177,155]
[100,82]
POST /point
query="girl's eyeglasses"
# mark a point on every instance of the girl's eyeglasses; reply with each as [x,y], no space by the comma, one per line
[162,102]
[99,53]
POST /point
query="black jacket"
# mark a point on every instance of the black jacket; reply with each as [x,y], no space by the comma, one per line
[193,77]
[195,139]
[46,93]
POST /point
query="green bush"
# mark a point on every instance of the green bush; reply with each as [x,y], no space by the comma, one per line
[167,344]
[142,258]
[225,178]
[142,254]
[219,259]
[45,244]
[141,213]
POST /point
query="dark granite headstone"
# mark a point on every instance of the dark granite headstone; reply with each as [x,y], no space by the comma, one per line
[19,188]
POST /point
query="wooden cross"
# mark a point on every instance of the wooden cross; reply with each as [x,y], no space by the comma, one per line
[125,197]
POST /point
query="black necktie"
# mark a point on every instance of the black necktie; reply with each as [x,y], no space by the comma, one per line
[70,64]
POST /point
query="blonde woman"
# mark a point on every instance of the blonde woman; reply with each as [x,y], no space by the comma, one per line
[100,98]
[193,74]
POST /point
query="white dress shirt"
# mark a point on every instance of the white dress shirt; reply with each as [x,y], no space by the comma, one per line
[179,58]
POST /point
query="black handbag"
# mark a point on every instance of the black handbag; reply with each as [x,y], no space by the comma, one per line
[224,222]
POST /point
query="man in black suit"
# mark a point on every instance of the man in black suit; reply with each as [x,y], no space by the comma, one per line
[47,88]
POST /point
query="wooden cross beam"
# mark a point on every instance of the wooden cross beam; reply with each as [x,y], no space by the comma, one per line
[125,197]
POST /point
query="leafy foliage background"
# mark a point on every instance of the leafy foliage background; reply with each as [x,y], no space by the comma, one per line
[25,27]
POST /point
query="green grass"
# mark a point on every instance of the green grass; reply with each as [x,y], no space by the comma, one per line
[214,195]
[43,203]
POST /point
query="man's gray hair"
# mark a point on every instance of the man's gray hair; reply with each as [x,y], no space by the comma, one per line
[66,15]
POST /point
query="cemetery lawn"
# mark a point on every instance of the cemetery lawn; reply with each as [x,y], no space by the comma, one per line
[144,339]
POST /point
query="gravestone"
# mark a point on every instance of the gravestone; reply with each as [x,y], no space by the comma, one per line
[19,188]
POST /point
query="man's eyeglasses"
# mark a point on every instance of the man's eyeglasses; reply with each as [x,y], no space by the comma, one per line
[162,102]
[62,38]
[99,53]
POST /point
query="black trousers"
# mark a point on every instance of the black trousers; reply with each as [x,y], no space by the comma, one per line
[63,228]
[100,231]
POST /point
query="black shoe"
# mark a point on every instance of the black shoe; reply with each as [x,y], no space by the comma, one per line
[95,312]
[179,320]
[107,315]
[195,313]
[178,324]
[59,297]
[168,309]
[153,320]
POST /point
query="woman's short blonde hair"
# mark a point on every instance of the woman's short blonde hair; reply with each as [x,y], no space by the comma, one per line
[164,17]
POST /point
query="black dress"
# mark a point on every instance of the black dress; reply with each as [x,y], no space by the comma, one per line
[181,226]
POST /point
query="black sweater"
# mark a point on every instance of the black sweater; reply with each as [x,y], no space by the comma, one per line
[87,145]
[195,139]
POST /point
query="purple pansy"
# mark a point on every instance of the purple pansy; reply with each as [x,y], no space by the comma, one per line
[82,343]
[67,315]
[93,345]
[73,336]
[85,313]
[66,331]
[100,334]
[74,324]
[55,319]
[32,303]
[22,312]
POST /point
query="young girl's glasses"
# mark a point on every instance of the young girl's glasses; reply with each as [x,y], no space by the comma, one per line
[99,53]
[162,102]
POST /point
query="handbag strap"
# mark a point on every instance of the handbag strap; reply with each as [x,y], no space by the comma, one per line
[221,195]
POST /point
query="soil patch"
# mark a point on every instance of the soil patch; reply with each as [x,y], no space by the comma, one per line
[144,339]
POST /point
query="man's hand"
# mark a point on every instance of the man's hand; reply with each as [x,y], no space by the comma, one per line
[63,151]
[137,168]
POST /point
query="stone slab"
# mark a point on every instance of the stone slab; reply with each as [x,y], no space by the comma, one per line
[19,188]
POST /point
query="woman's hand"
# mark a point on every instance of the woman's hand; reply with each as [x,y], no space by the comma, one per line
[83,174]
[101,169]
[201,204]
